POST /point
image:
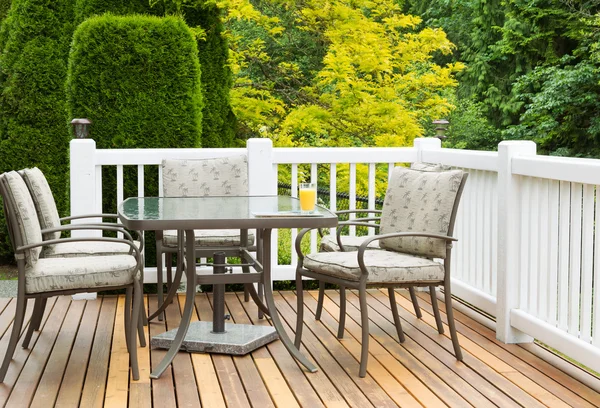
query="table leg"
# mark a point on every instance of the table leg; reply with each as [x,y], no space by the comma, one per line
[266,261]
[187,310]
[162,304]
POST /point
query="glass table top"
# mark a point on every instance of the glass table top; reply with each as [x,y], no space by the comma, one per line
[220,212]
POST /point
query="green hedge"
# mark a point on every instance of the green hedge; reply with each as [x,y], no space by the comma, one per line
[138,79]
[34,45]
[4,7]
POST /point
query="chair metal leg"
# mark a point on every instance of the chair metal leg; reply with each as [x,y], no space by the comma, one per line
[364,321]
[261,298]
[415,301]
[320,300]
[14,336]
[135,317]
[299,310]
[159,280]
[128,313]
[451,325]
[394,307]
[36,318]
[169,265]
[342,325]
[140,324]
[436,310]
[246,294]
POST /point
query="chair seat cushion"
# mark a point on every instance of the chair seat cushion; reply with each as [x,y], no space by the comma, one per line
[384,266]
[86,248]
[351,243]
[91,272]
[209,238]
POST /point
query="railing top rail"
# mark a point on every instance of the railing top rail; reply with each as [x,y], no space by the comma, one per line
[155,156]
[472,159]
[577,170]
[299,155]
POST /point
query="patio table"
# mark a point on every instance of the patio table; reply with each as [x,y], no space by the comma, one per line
[187,214]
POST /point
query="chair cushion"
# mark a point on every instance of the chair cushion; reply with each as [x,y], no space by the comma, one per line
[86,248]
[26,216]
[384,266]
[43,200]
[420,166]
[419,201]
[91,272]
[205,238]
[208,177]
[351,243]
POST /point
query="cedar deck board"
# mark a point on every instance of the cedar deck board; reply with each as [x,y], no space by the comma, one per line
[496,374]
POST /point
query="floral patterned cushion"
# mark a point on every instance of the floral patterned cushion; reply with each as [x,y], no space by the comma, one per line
[205,238]
[419,201]
[384,266]
[86,248]
[27,220]
[351,243]
[429,166]
[92,272]
[209,177]
[43,200]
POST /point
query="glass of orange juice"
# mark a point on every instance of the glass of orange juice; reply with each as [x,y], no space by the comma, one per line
[308,197]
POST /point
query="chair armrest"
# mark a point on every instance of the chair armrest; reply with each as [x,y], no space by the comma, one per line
[356,211]
[121,227]
[338,232]
[102,227]
[365,244]
[78,217]
[81,239]
[298,242]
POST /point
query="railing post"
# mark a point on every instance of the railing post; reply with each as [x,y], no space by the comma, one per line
[426,143]
[262,179]
[83,188]
[508,280]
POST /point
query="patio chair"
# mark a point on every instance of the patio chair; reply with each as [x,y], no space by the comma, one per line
[40,278]
[416,228]
[343,243]
[49,219]
[221,176]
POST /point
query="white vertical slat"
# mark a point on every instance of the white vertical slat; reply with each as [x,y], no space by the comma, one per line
[587,258]
[575,258]
[294,193]
[596,322]
[119,190]
[371,204]
[524,247]
[494,232]
[98,202]
[274,232]
[460,269]
[468,273]
[553,250]
[563,255]
[160,182]
[479,211]
[390,169]
[543,258]
[486,228]
[534,237]
[333,191]
[140,179]
[313,234]
[352,194]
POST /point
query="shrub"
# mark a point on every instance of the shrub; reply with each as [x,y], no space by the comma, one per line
[34,41]
[4,7]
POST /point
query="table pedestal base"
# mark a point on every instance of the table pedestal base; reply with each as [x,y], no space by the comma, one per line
[238,339]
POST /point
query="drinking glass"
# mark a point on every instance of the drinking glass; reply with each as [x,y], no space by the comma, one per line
[308,197]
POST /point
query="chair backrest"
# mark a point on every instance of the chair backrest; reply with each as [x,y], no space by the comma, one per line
[207,177]
[421,201]
[421,166]
[21,215]
[43,200]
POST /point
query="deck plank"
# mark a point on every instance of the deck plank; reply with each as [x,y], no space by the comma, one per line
[72,383]
[254,386]
[50,383]
[535,369]
[79,358]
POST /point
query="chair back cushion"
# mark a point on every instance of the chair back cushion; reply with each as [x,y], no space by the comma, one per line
[28,226]
[419,201]
[43,200]
[208,177]
[421,166]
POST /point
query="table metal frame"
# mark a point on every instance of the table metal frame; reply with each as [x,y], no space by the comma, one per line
[263,226]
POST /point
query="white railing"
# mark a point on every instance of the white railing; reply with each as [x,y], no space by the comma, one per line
[528,251]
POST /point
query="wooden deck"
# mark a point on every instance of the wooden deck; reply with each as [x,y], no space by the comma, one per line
[80,359]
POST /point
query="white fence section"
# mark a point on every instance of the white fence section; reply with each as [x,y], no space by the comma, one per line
[528,250]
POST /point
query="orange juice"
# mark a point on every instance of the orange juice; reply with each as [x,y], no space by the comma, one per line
[308,197]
